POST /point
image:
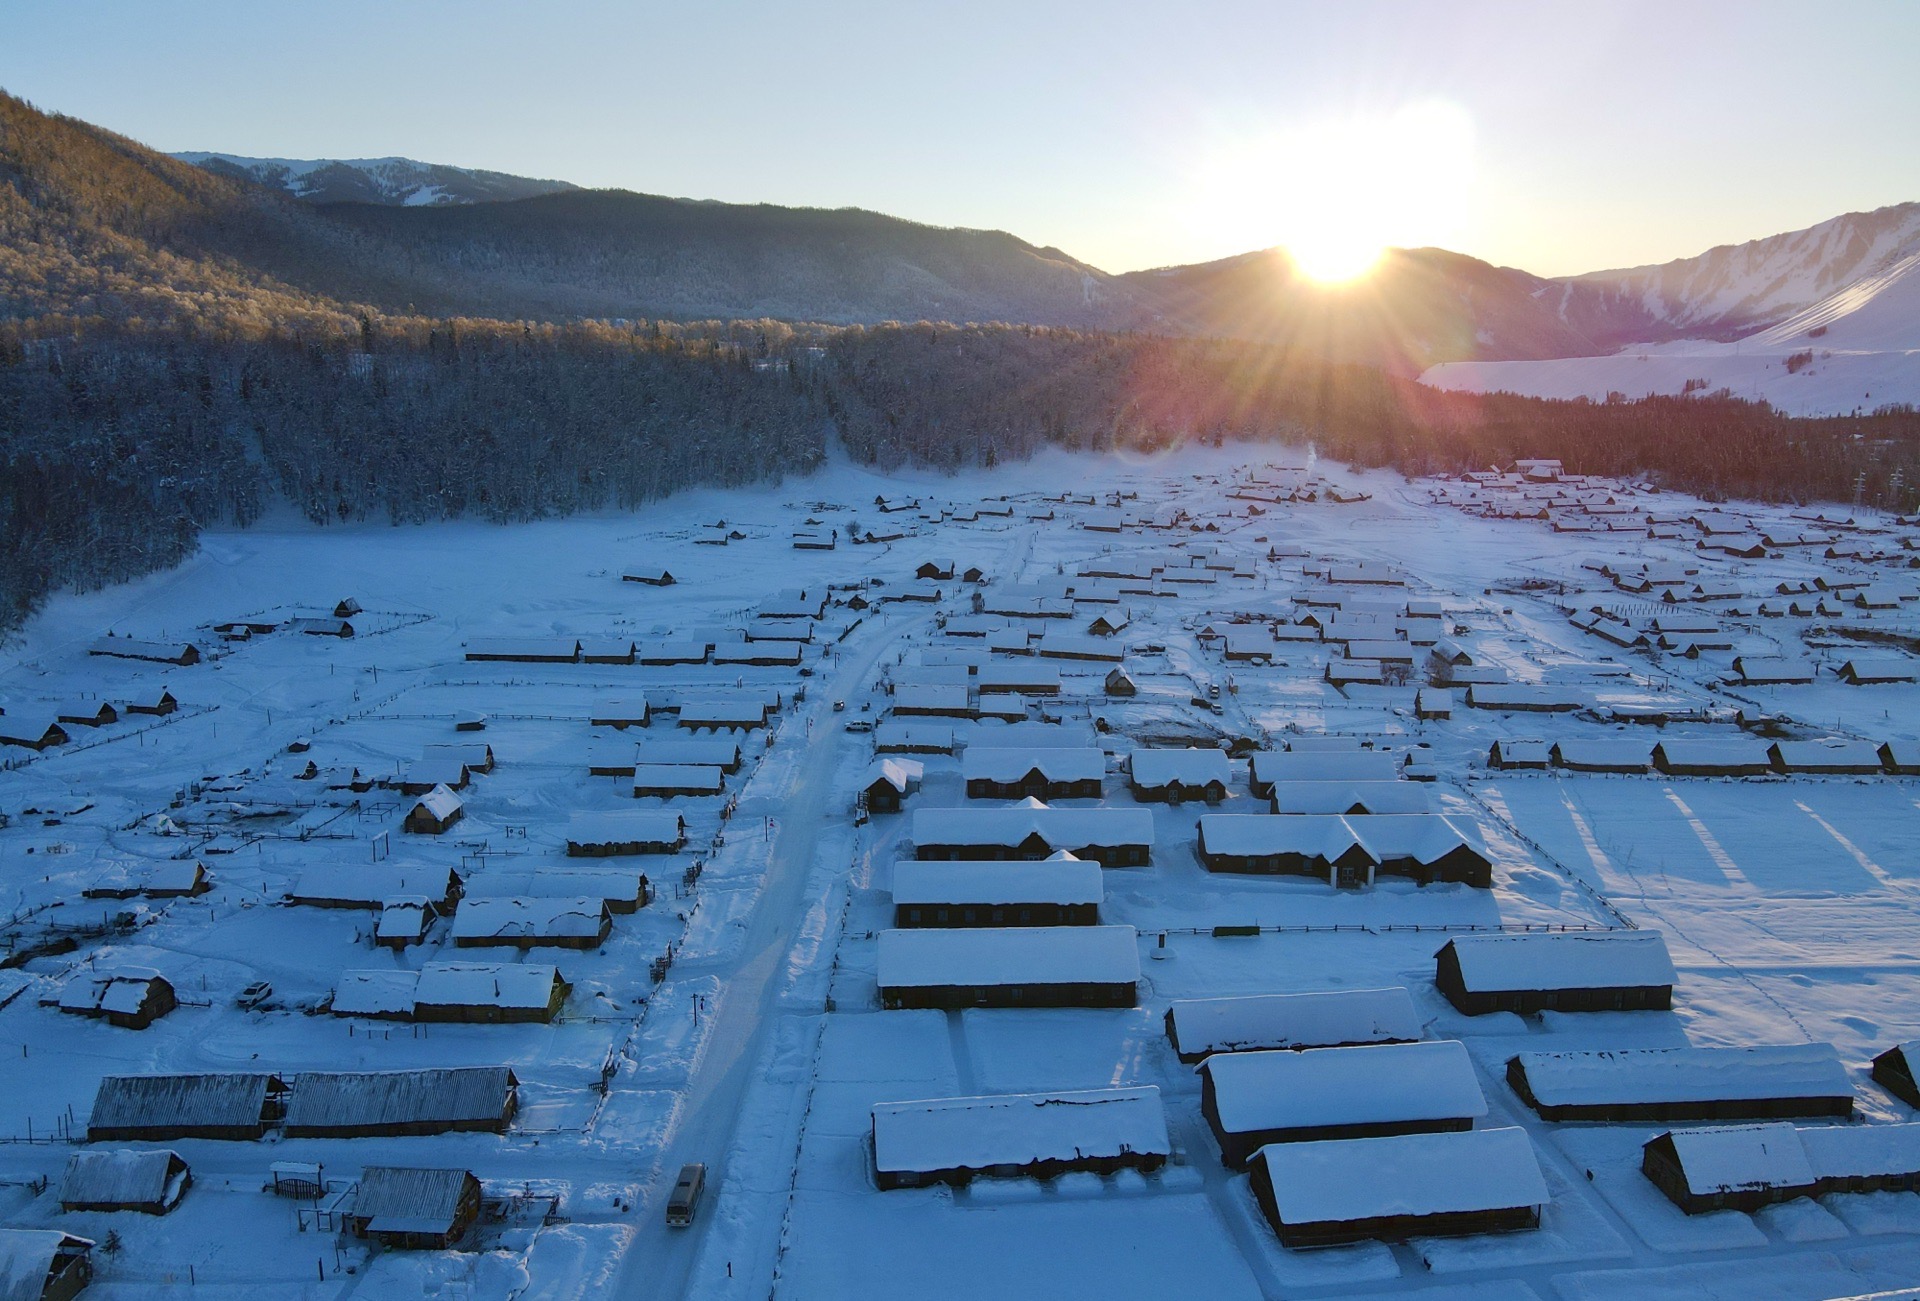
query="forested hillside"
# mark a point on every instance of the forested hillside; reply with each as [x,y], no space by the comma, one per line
[115,452]
[171,358]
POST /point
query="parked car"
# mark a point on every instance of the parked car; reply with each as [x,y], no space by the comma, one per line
[255,994]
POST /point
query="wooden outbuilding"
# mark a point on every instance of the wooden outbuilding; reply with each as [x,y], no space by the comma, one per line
[1732,757]
[1058,891]
[155,1108]
[1334,1018]
[155,701]
[1175,776]
[44,1264]
[408,1207]
[1115,837]
[1570,971]
[1020,966]
[889,782]
[1251,1099]
[1013,773]
[1015,1136]
[131,998]
[32,730]
[365,1104]
[1746,1167]
[434,812]
[628,832]
[152,1182]
[1893,1071]
[489,993]
[523,922]
[1325,1194]
[1684,1084]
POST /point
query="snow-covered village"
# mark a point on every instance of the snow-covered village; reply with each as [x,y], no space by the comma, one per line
[1230,876]
[986,652]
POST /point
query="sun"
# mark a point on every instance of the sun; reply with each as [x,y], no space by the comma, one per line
[1336,193]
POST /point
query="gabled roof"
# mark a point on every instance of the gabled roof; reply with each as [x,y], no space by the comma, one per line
[1018,1129]
[410,1196]
[1345,1180]
[1569,960]
[1013,955]
[340,1100]
[1368,1084]
[1190,767]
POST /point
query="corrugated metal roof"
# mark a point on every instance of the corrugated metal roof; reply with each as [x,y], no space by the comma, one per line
[127,1178]
[417,1200]
[150,1101]
[327,1100]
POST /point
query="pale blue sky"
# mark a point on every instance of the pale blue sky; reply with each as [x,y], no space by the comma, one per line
[1128,134]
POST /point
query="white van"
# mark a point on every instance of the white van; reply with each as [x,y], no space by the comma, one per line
[686,1194]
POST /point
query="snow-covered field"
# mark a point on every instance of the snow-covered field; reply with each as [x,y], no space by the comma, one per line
[1788,902]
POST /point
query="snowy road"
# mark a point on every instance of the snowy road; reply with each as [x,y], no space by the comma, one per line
[795,785]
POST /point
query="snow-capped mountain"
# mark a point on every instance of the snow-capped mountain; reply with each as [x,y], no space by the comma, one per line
[1729,292]
[392,182]
[1818,321]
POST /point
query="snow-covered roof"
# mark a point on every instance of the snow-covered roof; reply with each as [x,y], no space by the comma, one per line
[1011,763]
[1423,837]
[1845,1151]
[1014,955]
[1070,829]
[1320,1019]
[1634,1075]
[1001,674]
[1364,1085]
[381,991]
[625,826]
[1344,1180]
[521,917]
[678,776]
[1567,960]
[1727,752]
[1836,753]
[1037,736]
[485,984]
[711,751]
[1506,695]
[1189,767]
[913,734]
[27,1258]
[1612,752]
[901,774]
[1270,766]
[369,885]
[1731,1158]
[1018,1129]
[439,803]
[123,1178]
[1377,797]
[1062,879]
[931,696]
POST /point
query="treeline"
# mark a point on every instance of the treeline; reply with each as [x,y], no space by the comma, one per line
[116,450]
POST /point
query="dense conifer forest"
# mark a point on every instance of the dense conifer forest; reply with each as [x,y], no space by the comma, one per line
[180,350]
[117,448]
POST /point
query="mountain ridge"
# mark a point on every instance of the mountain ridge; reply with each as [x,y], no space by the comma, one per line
[164,238]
